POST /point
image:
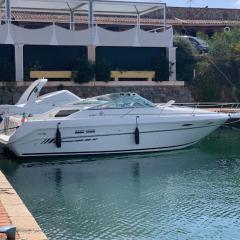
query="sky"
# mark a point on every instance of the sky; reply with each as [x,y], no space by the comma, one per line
[204,3]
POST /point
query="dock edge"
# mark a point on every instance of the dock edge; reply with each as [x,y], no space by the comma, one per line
[18,214]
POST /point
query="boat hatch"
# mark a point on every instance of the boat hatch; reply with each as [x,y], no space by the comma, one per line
[65,113]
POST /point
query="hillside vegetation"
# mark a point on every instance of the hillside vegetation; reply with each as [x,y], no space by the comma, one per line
[217,73]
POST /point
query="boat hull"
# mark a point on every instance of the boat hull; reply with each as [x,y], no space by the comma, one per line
[114,139]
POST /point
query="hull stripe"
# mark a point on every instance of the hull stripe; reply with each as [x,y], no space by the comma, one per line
[109,152]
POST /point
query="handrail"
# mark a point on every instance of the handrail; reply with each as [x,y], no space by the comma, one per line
[216,106]
[209,104]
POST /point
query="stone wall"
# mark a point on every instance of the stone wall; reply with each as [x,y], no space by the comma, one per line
[11,94]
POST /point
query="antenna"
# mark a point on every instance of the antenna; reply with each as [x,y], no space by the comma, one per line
[190,2]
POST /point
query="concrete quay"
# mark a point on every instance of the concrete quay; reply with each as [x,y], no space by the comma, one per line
[14,212]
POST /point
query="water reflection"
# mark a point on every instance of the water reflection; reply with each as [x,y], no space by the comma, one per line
[58,178]
[136,171]
[187,194]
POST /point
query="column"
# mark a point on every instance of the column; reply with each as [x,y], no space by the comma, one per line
[72,23]
[90,13]
[8,11]
[171,54]
[1,18]
[19,73]
[164,17]
[91,51]
[138,22]
[91,55]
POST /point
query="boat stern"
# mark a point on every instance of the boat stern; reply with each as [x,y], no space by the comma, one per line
[8,127]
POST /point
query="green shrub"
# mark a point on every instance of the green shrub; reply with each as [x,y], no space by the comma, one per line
[186,59]
[206,85]
[102,70]
[161,68]
[218,72]
[83,71]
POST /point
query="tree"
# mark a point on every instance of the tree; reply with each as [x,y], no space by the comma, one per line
[224,50]
[83,70]
[186,58]
[222,65]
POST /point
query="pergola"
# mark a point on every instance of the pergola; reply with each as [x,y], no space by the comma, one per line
[11,33]
[136,8]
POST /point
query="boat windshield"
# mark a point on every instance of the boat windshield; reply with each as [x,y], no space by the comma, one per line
[117,100]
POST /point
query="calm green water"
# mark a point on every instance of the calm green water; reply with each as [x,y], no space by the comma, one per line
[188,194]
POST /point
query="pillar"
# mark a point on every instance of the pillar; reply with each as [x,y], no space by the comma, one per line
[8,11]
[91,54]
[72,23]
[171,54]
[90,13]
[91,50]
[164,17]
[1,18]
[19,73]
[138,22]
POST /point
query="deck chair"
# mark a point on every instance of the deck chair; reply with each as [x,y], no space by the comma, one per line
[10,231]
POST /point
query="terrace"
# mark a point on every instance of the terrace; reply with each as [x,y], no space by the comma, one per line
[81,23]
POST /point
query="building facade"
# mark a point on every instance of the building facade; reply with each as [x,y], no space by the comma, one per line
[40,37]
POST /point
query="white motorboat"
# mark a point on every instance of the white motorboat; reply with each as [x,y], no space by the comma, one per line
[113,123]
[31,103]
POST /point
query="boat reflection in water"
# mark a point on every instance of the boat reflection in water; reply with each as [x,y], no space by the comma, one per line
[188,194]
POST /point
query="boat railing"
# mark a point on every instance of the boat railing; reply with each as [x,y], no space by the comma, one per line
[229,107]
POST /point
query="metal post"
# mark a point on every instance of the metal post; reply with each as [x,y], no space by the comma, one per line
[90,14]
[72,23]
[8,11]
[1,16]
[19,72]
[138,22]
[164,17]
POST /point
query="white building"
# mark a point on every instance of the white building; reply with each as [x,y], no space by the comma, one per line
[91,35]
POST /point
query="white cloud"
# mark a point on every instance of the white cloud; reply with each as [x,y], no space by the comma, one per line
[237,3]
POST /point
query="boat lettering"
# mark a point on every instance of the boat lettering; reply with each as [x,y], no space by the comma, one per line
[79,131]
[90,131]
